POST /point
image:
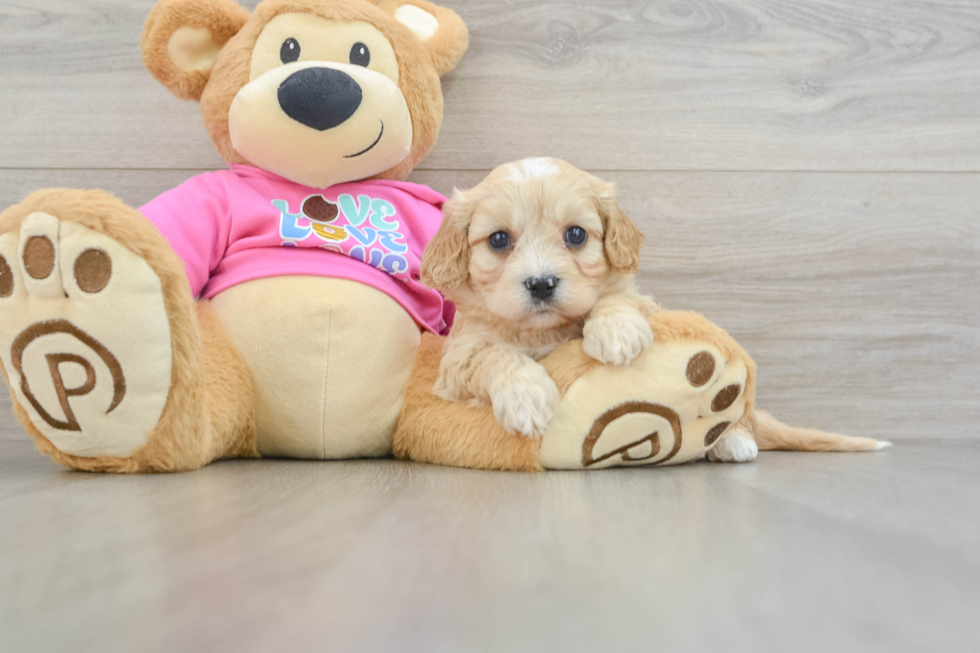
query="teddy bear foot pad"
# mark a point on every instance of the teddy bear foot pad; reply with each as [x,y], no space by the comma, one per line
[84,336]
[671,405]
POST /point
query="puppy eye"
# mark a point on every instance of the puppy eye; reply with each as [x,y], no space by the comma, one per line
[289,51]
[499,241]
[576,236]
[360,55]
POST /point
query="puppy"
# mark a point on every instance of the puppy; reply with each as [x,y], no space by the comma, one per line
[537,254]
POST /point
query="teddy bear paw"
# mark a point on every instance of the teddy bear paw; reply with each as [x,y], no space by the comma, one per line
[673,403]
[84,336]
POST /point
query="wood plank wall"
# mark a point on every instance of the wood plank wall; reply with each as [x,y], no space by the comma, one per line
[807,171]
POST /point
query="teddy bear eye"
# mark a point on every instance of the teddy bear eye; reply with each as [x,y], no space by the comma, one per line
[290,51]
[575,236]
[360,55]
[499,241]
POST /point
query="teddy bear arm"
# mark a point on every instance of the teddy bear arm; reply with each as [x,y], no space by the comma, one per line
[194,220]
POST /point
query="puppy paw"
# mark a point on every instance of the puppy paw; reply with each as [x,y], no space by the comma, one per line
[736,446]
[525,402]
[617,339]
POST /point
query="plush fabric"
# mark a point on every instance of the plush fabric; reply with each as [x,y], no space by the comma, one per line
[191,431]
[304,359]
[250,224]
[47,346]
[220,19]
[669,406]
[420,66]
[222,390]
[431,430]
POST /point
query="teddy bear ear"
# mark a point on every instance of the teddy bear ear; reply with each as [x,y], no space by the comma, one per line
[182,39]
[441,31]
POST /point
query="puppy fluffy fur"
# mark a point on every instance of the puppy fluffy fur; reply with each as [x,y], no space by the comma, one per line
[521,294]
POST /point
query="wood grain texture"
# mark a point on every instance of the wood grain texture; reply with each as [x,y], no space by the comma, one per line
[797,552]
[857,294]
[612,85]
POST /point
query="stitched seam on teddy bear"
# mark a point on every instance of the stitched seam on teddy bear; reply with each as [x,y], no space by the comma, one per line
[323,401]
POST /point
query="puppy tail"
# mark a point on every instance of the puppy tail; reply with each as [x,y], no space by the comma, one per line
[772,435]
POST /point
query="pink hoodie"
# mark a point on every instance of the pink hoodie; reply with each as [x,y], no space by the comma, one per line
[236,225]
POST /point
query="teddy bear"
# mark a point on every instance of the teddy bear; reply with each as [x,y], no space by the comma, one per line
[275,308]
[271,309]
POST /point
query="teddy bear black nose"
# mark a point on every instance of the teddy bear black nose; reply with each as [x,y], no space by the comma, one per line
[321,98]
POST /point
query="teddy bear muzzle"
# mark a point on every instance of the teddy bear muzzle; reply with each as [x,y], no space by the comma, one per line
[321,123]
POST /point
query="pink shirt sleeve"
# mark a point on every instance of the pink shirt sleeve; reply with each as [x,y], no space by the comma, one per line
[448,316]
[195,220]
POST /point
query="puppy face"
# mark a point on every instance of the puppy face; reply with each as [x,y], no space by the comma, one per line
[536,244]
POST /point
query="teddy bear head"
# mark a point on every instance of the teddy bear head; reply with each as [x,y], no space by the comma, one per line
[317,91]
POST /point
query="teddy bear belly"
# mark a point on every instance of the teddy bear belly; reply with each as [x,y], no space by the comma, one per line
[329,360]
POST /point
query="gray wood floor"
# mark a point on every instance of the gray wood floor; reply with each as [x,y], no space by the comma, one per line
[818,552]
[808,175]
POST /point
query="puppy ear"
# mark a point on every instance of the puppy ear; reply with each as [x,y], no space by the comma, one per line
[446,260]
[622,239]
[441,31]
[182,39]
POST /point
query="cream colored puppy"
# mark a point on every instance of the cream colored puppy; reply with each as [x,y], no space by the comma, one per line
[537,254]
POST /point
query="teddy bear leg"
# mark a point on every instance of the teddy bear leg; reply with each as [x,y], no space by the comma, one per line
[228,388]
[674,403]
[456,434]
[103,347]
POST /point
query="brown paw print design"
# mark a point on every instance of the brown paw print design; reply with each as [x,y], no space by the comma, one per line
[700,371]
[92,270]
[84,336]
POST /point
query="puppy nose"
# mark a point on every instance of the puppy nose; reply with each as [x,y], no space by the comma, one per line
[541,288]
[321,98]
